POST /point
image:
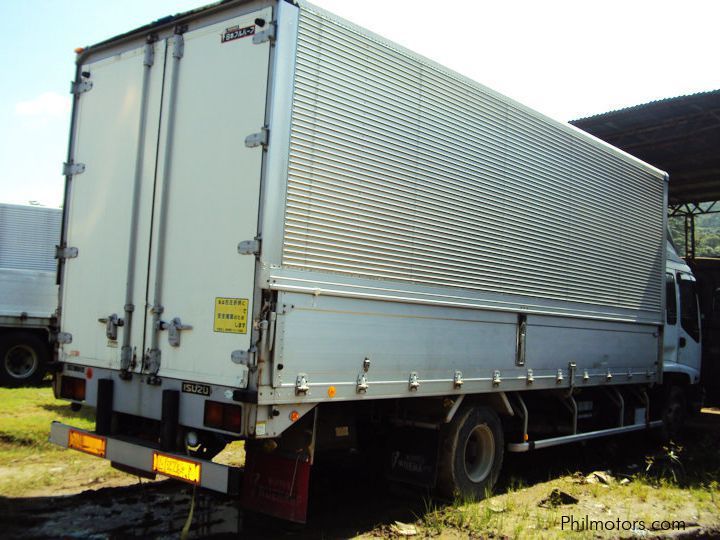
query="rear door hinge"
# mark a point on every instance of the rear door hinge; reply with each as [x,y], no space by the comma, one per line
[152,361]
[149,54]
[72,169]
[245,358]
[63,338]
[249,247]
[178,46]
[258,139]
[81,86]
[266,35]
[66,252]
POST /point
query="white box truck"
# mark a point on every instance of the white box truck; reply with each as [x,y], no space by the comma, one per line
[284,229]
[28,291]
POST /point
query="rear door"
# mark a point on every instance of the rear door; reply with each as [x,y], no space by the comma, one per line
[207,200]
[112,138]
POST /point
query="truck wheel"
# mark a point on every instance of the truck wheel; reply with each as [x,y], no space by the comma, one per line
[23,359]
[673,413]
[471,454]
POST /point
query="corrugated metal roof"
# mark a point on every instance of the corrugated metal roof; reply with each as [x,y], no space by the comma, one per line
[656,102]
[680,135]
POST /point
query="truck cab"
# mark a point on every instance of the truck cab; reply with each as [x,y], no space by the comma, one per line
[682,336]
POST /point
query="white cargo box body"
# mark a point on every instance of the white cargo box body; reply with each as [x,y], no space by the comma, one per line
[403,231]
[28,288]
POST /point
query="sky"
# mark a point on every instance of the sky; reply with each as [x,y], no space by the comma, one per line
[567,59]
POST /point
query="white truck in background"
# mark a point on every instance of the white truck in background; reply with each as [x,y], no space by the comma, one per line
[28,291]
[284,229]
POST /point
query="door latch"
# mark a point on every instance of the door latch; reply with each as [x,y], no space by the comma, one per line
[174,328]
[112,322]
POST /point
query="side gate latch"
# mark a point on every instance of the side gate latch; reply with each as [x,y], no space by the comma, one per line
[302,386]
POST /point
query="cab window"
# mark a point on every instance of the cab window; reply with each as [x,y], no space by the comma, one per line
[688,308]
[670,300]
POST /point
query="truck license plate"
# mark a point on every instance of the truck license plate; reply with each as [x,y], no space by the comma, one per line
[182,469]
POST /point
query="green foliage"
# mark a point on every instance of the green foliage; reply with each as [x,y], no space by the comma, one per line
[667,465]
[707,234]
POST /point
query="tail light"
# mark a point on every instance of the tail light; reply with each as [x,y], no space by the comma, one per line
[72,388]
[223,416]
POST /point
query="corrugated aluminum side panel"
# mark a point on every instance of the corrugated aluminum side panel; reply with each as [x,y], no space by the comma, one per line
[401,170]
[28,236]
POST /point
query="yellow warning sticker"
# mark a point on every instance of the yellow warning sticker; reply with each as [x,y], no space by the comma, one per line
[231,315]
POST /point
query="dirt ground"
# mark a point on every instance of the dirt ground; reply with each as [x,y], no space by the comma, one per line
[345,502]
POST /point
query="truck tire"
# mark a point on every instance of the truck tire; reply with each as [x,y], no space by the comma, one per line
[674,412]
[471,454]
[23,359]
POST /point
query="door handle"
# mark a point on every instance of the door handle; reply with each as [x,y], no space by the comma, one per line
[174,328]
[112,322]
[682,342]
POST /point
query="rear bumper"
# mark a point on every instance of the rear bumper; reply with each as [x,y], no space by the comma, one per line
[213,476]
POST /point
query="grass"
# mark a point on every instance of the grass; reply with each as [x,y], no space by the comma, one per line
[516,514]
[676,483]
[29,464]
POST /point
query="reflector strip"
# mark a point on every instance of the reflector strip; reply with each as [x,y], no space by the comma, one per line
[182,469]
[90,444]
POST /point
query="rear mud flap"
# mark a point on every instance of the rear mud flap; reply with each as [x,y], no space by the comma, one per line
[276,485]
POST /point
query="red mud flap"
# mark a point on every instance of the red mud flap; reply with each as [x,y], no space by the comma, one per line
[276,485]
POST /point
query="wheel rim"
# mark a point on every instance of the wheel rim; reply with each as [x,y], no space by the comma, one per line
[21,361]
[479,453]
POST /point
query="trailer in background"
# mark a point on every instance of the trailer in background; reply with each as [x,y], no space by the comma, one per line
[28,291]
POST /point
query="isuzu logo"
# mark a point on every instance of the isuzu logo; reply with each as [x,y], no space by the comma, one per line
[196,388]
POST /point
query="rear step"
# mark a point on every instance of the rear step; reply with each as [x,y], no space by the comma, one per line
[555,441]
